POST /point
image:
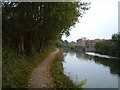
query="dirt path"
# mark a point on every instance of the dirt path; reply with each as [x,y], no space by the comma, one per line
[41,77]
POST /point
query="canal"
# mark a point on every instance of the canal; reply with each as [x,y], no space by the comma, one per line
[99,71]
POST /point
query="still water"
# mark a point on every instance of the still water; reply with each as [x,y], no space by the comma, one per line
[101,71]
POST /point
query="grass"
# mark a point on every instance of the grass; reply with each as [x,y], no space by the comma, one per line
[60,79]
[17,68]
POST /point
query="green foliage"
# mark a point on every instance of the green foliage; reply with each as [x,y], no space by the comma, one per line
[81,84]
[116,40]
[17,68]
[60,79]
[76,78]
[58,43]
[39,25]
[110,47]
[72,44]
[30,28]
[65,43]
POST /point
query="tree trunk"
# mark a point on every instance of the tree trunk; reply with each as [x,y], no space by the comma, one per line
[32,51]
[21,44]
[32,46]
[42,47]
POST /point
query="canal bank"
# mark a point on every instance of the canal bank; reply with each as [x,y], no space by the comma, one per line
[60,79]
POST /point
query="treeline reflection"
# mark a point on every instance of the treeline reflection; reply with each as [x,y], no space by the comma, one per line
[112,64]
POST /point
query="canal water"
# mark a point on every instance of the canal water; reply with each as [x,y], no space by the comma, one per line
[99,71]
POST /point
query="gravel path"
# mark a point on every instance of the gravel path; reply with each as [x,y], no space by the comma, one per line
[41,77]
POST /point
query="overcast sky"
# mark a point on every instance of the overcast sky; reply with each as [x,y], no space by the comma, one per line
[100,21]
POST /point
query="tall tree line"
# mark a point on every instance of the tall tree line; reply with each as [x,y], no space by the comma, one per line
[32,26]
[110,47]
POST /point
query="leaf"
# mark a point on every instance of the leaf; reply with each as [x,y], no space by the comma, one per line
[82,83]
[76,78]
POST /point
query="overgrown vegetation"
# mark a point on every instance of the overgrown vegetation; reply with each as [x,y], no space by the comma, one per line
[30,28]
[110,47]
[60,79]
[17,68]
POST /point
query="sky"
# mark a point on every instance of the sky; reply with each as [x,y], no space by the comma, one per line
[100,21]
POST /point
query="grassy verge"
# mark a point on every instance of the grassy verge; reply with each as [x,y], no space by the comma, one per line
[60,79]
[17,68]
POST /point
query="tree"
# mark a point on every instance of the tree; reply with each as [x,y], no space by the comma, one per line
[72,44]
[110,47]
[39,25]
[116,40]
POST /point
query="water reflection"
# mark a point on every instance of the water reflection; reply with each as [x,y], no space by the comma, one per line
[112,64]
[80,55]
[96,69]
[100,55]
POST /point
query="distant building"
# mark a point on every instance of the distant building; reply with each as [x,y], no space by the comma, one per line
[98,40]
[79,42]
[84,41]
[90,43]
